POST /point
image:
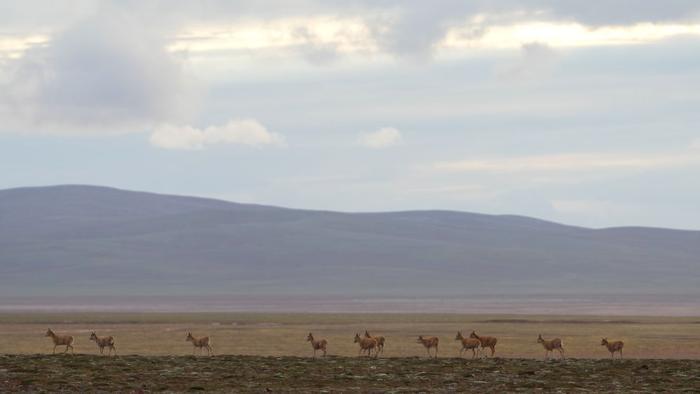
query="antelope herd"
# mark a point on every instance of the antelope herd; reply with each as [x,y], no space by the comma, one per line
[368,344]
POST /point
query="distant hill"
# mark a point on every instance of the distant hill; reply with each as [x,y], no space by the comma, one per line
[72,240]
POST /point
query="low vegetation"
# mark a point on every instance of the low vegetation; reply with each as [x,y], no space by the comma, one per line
[90,373]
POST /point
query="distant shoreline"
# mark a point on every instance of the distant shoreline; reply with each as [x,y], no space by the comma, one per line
[596,305]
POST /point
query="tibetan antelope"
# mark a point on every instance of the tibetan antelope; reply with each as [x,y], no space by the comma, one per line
[60,340]
[612,346]
[366,345]
[468,344]
[104,342]
[200,343]
[551,345]
[486,342]
[380,341]
[429,342]
[317,345]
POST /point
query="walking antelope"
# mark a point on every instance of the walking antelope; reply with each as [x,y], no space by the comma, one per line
[486,342]
[366,345]
[551,345]
[380,341]
[429,342]
[317,345]
[612,346]
[104,342]
[468,344]
[61,340]
[201,343]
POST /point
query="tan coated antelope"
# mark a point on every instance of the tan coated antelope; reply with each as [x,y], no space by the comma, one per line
[317,344]
[60,340]
[200,343]
[380,341]
[104,342]
[486,342]
[429,342]
[613,346]
[367,345]
[468,344]
[551,345]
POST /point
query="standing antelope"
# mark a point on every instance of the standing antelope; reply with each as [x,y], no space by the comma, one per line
[551,345]
[104,342]
[380,341]
[468,344]
[613,346]
[61,340]
[317,345]
[366,345]
[201,343]
[486,342]
[429,342]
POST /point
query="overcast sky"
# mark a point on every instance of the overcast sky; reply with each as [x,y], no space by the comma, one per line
[578,111]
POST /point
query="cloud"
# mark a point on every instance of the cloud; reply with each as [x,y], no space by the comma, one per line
[382,138]
[104,75]
[416,28]
[236,132]
[570,163]
[319,31]
[537,60]
[695,144]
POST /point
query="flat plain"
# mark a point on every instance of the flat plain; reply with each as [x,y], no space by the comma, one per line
[257,351]
[279,334]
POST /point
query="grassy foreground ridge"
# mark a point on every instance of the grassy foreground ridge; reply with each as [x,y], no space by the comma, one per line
[83,373]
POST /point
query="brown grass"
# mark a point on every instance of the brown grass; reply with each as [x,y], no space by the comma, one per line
[285,334]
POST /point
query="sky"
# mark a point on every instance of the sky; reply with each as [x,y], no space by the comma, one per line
[577,111]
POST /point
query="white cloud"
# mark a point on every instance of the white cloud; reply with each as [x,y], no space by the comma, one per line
[411,33]
[107,74]
[238,132]
[695,144]
[562,34]
[14,46]
[570,163]
[537,59]
[382,138]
